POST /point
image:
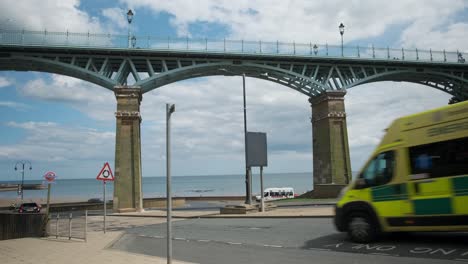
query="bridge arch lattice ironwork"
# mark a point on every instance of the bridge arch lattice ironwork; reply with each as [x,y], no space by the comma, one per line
[103,60]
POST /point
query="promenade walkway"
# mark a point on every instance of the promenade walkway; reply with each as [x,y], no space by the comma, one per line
[97,249]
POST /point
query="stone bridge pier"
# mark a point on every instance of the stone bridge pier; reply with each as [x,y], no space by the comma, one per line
[128,196]
[332,166]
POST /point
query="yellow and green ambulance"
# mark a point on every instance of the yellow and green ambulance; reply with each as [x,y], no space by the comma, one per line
[416,179]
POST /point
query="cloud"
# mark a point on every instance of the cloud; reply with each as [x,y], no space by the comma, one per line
[93,100]
[51,142]
[116,16]
[14,105]
[4,82]
[52,15]
[305,21]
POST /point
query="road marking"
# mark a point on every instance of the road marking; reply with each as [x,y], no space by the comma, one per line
[158,236]
[322,249]
[382,254]
[203,240]
[234,243]
[275,246]
[179,238]
[459,259]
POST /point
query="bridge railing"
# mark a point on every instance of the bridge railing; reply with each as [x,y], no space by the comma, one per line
[70,39]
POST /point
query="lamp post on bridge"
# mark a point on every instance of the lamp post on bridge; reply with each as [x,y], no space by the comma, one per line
[22,163]
[129,19]
[341,27]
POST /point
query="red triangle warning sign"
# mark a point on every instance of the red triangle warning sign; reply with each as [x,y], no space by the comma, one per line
[105,174]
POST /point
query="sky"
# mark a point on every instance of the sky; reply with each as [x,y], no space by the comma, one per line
[67,125]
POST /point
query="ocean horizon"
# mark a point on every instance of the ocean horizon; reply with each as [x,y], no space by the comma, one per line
[182,186]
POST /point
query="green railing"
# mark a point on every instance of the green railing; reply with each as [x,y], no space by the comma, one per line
[69,39]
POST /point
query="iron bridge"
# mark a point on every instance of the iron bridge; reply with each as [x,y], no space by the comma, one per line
[151,62]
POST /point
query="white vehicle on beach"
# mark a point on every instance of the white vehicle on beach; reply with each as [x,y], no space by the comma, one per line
[276,194]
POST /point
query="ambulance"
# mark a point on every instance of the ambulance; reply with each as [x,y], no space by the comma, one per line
[416,179]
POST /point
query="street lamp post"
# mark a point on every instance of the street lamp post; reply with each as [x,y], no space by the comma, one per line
[341,27]
[248,182]
[22,174]
[129,19]
[170,108]
[315,49]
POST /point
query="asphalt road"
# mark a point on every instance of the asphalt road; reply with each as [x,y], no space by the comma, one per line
[291,240]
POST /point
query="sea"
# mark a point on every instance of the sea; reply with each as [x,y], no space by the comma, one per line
[182,186]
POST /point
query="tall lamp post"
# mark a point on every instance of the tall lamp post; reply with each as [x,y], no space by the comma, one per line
[341,27]
[22,163]
[248,180]
[170,108]
[129,19]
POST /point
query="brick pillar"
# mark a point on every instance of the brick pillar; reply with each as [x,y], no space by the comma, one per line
[332,166]
[127,186]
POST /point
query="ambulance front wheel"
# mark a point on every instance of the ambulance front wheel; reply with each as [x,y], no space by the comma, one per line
[361,228]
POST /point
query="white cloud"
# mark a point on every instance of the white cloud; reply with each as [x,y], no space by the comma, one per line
[52,15]
[4,82]
[305,21]
[14,105]
[51,142]
[95,101]
[116,16]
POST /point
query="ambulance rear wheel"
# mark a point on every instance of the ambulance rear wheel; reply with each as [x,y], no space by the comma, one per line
[361,228]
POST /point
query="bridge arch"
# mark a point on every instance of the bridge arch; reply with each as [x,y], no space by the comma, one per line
[296,81]
[439,80]
[311,76]
[57,67]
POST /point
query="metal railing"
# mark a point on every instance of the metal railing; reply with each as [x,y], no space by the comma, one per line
[66,226]
[311,49]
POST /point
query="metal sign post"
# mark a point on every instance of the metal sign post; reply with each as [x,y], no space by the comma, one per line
[48,199]
[257,156]
[261,190]
[105,213]
[50,178]
[105,175]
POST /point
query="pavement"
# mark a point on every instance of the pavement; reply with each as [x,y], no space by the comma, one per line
[98,247]
[314,211]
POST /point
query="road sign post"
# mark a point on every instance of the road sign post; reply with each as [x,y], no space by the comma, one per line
[104,199]
[50,178]
[105,175]
[257,156]
[262,196]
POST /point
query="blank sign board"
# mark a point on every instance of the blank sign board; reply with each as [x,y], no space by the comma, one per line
[256,149]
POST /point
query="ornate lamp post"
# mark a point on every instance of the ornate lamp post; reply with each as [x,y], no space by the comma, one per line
[129,19]
[341,27]
[22,163]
